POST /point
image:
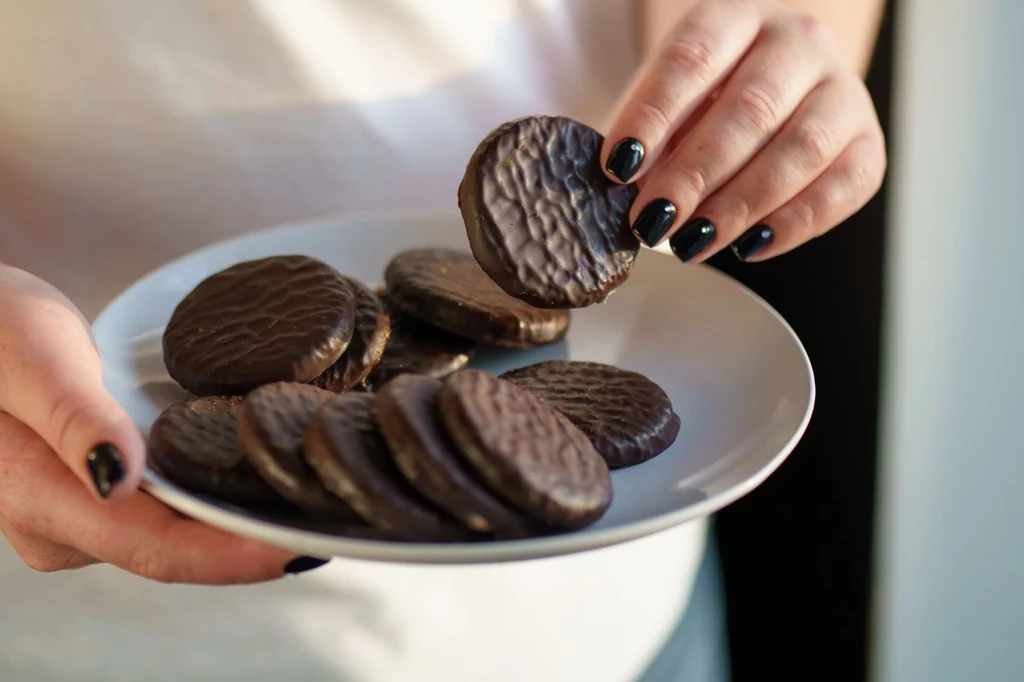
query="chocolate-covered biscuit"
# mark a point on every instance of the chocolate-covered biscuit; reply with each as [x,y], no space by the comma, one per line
[627,417]
[525,450]
[282,318]
[195,444]
[410,420]
[542,218]
[372,330]
[345,448]
[417,348]
[272,423]
[447,289]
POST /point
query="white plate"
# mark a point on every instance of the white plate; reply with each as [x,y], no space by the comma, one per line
[735,371]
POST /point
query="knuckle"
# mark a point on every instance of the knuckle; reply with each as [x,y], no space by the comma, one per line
[64,414]
[47,559]
[802,216]
[691,181]
[656,113]
[758,107]
[41,563]
[151,565]
[812,28]
[814,143]
[691,54]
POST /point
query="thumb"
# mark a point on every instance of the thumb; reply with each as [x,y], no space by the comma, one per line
[51,380]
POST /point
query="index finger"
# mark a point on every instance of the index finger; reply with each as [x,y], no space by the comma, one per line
[686,69]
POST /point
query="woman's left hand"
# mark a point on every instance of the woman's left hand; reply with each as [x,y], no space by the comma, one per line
[747,128]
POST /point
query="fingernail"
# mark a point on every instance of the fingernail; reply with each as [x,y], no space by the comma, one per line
[303,564]
[753,241]
[625,159]
[654,221]
[106,467]
[692,238]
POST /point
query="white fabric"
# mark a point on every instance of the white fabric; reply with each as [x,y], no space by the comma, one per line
[132,132]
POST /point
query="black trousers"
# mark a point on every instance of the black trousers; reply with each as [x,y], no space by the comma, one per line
[797,552]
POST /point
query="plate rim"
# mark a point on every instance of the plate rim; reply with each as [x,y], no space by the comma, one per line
[455,553]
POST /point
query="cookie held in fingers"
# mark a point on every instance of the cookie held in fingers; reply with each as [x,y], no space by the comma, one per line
[543,219]
[282,318]
[446,288]
[525,450]
[415,347]
[369,340]
[195,444]
[272,423]
[410,419]
[346,449]
[627,417]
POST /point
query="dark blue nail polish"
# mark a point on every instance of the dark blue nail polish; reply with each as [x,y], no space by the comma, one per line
[692,238]
[625,158]
[106,468]
[753,241]
[304,563]
[654,221]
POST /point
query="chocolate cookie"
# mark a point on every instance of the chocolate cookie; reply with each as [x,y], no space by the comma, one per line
[410,420]
[627,417]
[543,219]
[447,288]
[283,318]
[195,444]
[525,450]
[272,422]
[345,448]
[417,348]
[372,330]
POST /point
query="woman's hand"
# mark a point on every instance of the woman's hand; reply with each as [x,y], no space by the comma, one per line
[746,128]
[71,458]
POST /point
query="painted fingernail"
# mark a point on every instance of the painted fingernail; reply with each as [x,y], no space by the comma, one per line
[654,221]
[304,563]
[106,467]
[753,241]
[625,159]
[692,238]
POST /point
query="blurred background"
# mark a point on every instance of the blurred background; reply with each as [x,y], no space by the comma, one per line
[902,555]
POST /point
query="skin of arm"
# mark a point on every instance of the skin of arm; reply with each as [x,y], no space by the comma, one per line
[854,23]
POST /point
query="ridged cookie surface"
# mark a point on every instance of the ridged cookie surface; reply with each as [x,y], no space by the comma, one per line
[543,220]
[527,452]
[627,417]
[282,318]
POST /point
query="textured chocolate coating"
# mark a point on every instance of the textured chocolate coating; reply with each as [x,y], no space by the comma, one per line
[447,288]
[345,448]
[542,218]
[627,417]
[410,420]
[195,444]
[272,423]
[283,318]
[370,338]
[417,348]
[525,450]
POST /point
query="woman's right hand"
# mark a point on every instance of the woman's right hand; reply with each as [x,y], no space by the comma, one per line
[71,460]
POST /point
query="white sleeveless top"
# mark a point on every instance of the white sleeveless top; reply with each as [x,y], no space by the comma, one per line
[132,132]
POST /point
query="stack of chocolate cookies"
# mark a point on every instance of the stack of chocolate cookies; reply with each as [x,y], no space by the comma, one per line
[319,400]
